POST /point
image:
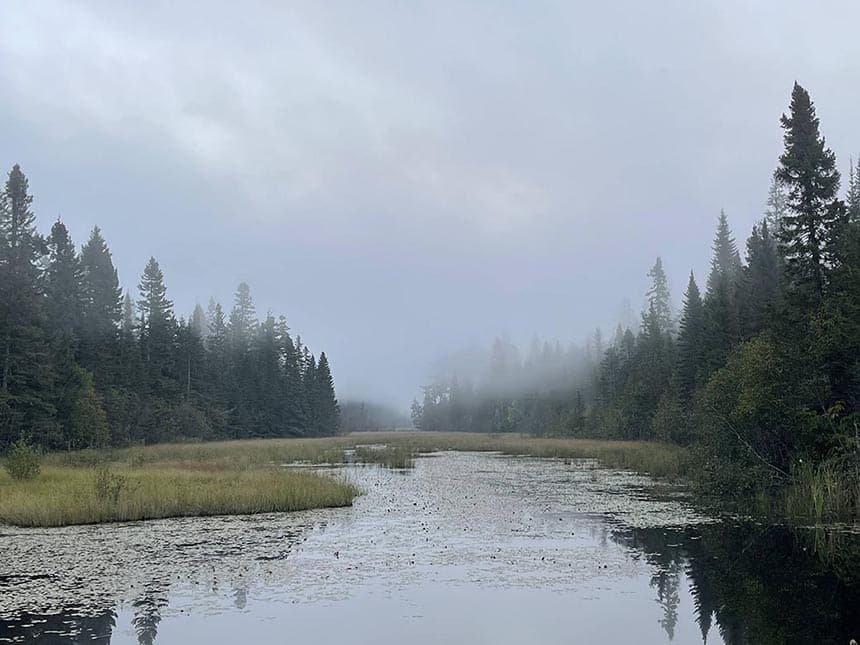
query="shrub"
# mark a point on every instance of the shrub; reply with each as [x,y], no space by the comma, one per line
[23,461]
[109,485]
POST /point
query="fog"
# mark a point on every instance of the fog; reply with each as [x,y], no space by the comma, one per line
[407,180]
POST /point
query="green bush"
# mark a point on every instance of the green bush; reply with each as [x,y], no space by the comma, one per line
[23,461]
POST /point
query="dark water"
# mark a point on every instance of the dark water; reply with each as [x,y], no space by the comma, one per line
[463,548]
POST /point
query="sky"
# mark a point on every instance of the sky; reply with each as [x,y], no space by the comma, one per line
[405,179]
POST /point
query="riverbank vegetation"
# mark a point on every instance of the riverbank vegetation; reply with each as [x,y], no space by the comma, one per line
[84,365]
[96,487]
[759,375]
[254,476]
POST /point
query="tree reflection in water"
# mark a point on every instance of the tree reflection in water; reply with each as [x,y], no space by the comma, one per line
[758,584]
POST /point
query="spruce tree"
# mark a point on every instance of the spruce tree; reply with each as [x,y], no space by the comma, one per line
[853,197]
[761,290]
[688,363]
[243,319]
[63,288]
[659,299]
[157,325]
[25,374]
[776,205]
[102,306]
[326,411]
[808,171]
[725,261]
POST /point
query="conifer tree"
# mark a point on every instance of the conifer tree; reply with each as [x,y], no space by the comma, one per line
[63,288]
[853,197]
[25,375]
[243,319]
[808,171]
[156,323]
[659,299]
[776,206]
[762,281]
[690,337]
[102,308]
[326,411]
[725,261]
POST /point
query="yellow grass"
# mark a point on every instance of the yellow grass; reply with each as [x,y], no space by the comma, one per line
[238,477]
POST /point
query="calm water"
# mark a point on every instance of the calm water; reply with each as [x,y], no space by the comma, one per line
[469,548]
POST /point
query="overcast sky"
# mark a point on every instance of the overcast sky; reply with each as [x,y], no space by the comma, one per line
[405,178]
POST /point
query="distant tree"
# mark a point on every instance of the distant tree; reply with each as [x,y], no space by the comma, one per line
[689,360]
[102,308]
[659,298]
[725,261]
[761,287]
[243,319]
[776,206]
[63,288]
[853,197]
[157,325]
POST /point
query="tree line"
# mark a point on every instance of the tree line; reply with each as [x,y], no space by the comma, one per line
[760,373]
[84,364]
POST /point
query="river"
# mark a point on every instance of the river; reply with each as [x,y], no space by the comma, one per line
[462,548]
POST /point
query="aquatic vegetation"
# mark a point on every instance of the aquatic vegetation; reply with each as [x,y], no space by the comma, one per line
[394,456]
[66,495]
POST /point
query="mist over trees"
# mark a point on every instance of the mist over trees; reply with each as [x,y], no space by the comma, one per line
[760,370]
[84,364]
[367,416]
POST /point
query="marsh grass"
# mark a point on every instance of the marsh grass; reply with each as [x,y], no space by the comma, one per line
[821,492]
[70,495]
[391,456]
[648,457]
[237,477]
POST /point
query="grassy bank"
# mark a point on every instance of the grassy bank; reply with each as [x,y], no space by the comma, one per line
[238,477]
[659,460]
[64,495]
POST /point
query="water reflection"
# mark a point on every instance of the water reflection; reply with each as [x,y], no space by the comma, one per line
[460,548]
[757,584]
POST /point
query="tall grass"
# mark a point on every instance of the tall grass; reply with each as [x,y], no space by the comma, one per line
[73,495]
[822,492]
[228,477]
[656,459]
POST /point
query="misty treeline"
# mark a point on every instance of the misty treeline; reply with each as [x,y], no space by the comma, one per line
[84,365]
[760,370]
[368,416]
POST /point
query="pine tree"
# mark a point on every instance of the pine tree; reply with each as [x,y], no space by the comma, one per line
[25,374]
[128,323]
[294,396]
[326,411]
[691,330]
[102,308]
[243,319]
[63,288]
[725,261]
[761,289]
[853,196]
[199,323]
[808,171]
[659,299]
[156,323]
[777,204]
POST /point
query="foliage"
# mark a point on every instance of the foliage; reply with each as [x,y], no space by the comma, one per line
[81,365]
[22,461]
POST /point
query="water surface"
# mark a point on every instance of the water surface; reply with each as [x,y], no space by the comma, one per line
[476,548]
